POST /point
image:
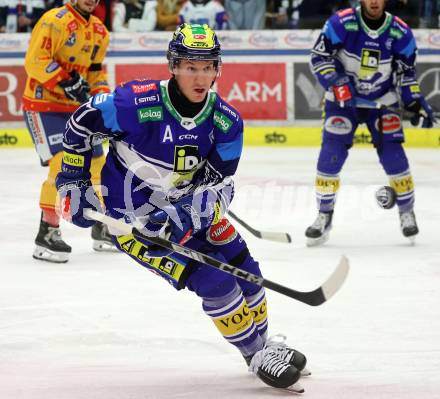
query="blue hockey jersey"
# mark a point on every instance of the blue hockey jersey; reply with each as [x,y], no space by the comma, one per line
[378,63]
[155,154]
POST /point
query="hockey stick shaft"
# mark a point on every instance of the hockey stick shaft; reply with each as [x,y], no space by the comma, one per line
[265,235]
[369,104]
[312,298]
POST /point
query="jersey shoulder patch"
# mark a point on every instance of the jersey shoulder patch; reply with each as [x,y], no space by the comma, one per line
[141,100]
[345,12]
[61,12]
[225,117]
[399,29]
[400,22]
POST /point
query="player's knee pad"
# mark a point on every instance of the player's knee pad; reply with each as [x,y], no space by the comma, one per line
[332,156]
[173,268]
[393,158]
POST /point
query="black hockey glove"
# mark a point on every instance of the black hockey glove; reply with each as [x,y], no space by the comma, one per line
[76,88]
[424,115]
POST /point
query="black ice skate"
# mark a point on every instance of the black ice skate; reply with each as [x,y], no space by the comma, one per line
[50,246]
[318,232]
[102,240]
[292,356]
[273,371]
[408,224]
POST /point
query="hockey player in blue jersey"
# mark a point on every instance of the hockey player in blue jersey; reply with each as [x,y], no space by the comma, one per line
[174,147]
[365,53]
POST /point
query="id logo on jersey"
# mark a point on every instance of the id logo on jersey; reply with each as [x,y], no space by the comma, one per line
[370,60]
[186,158]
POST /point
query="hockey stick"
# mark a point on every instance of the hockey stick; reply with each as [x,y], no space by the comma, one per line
[369,104]
[265,235]
[312,298]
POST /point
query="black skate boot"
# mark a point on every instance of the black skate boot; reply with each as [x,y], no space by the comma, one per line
[50,246]
[318,232]
[273,371]
[408,224]
[102,240]
[292,356]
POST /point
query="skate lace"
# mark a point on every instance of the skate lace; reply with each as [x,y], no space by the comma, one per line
[53,234]
[320,221]
[407,219]
[267,360]
[278,343]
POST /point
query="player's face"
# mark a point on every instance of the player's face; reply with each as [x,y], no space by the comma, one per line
[374,9]
[86,6]
[195,78]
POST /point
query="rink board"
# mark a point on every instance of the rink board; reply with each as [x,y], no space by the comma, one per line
[270,136]
[265,75]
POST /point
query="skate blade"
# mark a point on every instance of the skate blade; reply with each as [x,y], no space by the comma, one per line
[315,242]
[295,388]
[104,246]
[305,372]
[412,240]
[42,253]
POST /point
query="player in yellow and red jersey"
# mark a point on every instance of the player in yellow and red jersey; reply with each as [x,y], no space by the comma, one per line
[64,68]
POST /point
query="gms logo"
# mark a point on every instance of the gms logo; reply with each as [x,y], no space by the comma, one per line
[338,125]
[186,158]
[150,99]
[222,122]
[228,110]
[151,114]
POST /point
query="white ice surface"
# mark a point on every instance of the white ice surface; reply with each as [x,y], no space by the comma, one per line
[102,327]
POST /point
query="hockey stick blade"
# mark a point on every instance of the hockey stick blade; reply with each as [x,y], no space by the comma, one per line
[265,235]
[312,298]
[325,291]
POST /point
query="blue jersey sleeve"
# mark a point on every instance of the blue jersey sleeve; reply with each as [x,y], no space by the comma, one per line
[405,54]
[330,40]
[92,123]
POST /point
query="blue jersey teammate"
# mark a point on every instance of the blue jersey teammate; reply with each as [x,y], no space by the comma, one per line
[174,147]
[365,54]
